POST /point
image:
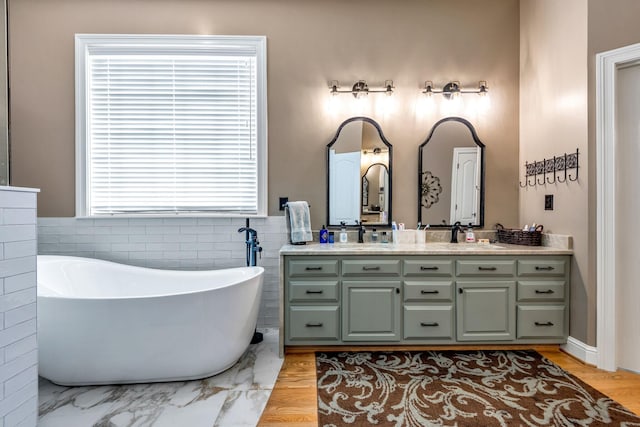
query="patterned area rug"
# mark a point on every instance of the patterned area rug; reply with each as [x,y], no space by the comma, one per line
[457,388]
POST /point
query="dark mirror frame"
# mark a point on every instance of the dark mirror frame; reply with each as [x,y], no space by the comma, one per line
[479,143]
[389,146]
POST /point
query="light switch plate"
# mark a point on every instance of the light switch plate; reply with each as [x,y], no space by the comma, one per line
[548,202]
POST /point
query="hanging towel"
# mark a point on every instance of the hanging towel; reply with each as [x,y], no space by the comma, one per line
[300,222]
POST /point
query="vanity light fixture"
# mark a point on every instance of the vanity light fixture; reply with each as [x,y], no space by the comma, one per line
[360,88]
[453,89]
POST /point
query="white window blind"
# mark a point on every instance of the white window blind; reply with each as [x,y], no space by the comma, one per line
[173,129]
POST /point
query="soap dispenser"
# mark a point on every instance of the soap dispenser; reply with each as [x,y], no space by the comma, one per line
[343,233]
[471,237]
[324,235]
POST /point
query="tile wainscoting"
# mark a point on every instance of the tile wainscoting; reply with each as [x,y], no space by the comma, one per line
[171,243]
[18,346]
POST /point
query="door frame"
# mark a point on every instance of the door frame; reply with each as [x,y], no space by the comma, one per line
[607,64]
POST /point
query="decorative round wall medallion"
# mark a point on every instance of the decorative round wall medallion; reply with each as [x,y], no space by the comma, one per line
[431,189]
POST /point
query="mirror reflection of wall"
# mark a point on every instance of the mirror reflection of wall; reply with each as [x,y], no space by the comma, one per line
[451,175]
[359,177]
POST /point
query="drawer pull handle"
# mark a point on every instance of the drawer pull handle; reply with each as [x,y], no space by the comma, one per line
[487,268]
[376,268]
[313,268]
[314,292]
[548,291]
[314,325]
[543,324]
[429,324]
[423,268]
[547,268]
[429,292]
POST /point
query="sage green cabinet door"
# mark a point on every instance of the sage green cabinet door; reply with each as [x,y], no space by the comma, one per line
[423,290]
[313,290]
[486,267]
[428,267]
[541,267]
[313,323]
[373,267]
[541,290]
[428,322]
[541,321]
[485,310]
[371,310]
[312,267]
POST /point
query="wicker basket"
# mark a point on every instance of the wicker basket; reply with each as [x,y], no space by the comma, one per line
[519,237]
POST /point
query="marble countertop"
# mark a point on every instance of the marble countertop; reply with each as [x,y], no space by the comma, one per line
[431,248]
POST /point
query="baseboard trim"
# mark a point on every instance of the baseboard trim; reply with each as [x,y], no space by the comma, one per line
[582,351]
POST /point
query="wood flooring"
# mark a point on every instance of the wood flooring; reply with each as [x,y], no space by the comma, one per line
[293,401]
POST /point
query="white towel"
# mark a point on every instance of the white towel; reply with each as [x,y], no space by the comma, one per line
[300,222]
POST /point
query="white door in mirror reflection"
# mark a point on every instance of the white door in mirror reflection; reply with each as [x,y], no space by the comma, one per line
[344,187]
[465,183]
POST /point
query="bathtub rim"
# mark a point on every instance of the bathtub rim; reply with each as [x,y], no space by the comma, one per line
[258,272]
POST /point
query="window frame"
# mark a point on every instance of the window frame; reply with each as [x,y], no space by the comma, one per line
[86,43]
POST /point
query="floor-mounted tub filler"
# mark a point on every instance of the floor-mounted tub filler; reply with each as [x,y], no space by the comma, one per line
[101,322]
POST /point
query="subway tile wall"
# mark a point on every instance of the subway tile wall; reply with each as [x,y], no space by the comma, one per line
[171,243]
[18,345]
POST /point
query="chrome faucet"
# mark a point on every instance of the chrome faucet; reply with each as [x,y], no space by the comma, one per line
[457,226]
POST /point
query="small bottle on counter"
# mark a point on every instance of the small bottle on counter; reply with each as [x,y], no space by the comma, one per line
[332,237]
[374,236]
[385,238]
[471,237]
[324,235]
[343,233]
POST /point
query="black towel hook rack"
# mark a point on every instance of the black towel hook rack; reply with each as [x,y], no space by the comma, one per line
[556,167]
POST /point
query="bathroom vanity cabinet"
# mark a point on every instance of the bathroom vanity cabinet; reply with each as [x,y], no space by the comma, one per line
[402,296]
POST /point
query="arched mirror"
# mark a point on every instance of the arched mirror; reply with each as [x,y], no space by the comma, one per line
[451,175]
[359,174]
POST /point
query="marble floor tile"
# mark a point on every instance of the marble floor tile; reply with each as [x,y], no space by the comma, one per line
[243,408]
[235,397]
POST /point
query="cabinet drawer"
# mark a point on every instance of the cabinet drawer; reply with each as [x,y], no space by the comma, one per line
[541,267]
[531,290]
[540,321]
[486,268]
[318,290]
[428,291]
[375,267]
[314,323]
[311,268]
[423,321]
[427,267]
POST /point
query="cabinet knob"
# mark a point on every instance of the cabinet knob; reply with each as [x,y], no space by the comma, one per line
[487,268]
[314,325]
[543,323]
[314,292]
[431,268]
[313,268]
[548,291]
[366,268]
[429,292]
[547,268]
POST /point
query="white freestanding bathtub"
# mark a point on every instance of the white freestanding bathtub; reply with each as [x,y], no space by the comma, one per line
[101,322]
